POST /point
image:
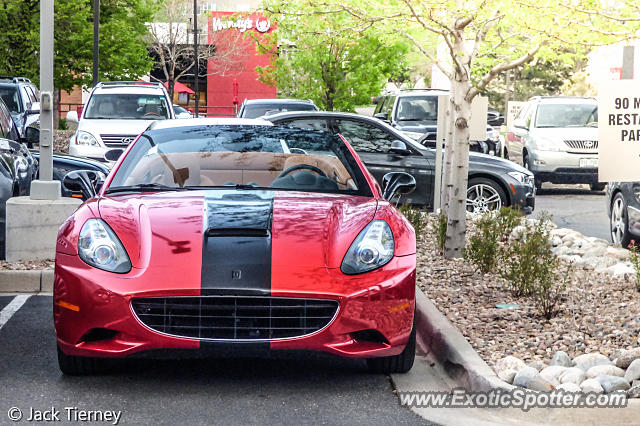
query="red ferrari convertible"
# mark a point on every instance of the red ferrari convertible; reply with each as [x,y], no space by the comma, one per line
[234,234]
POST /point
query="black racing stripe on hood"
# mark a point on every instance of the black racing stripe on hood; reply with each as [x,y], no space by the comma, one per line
[236,249]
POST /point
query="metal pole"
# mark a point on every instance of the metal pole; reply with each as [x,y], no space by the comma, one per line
[96,39]
[443,106]
[46,87]
[195,56]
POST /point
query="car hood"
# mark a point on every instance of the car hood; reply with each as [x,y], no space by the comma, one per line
[165,229]
[479,162]
[567,133]
[113,126]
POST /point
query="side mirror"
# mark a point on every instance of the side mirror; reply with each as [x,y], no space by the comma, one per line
[399,148]
[381,116]
[72,116]
[31,136]
[520,124]
[397,183]
[35,108]
[113,154]
[83,181]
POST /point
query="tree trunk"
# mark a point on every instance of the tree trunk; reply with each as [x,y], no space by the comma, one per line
[171,84]
[457,212]
[449,151]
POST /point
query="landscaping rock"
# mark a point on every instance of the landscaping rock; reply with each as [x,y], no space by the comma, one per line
[618,253]
[604,370]
[612,383]
[572,375]
[633,371]
[561,358]
[507,375]
[551,374]
[625,358]
[620,269]
[633,392]
[587,361]
[569,387]
[538,383]
[509,363]
[538,365]
[524,376]
[591,385]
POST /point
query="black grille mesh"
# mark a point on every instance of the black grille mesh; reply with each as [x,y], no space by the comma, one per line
[234,317]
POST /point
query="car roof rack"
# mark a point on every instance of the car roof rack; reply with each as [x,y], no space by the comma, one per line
[428,89]
[129,83]
[15,79]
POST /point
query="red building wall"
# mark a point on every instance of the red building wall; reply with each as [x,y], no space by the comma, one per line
[226,30]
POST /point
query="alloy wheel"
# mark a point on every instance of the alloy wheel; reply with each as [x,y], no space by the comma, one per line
[617,221]
[482,198]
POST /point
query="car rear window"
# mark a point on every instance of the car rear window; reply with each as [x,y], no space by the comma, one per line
[255,111]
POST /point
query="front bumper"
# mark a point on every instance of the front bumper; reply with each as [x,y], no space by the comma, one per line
[563,167]
[91,151]
[88,301]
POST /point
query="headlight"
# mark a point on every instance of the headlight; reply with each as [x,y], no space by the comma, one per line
[373,248]
[546,145]
[522,178]
[99,247]
[86,138]
[413,135]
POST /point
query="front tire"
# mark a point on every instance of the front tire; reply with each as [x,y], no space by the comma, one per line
[80,365]
[619,222]
[400,363]
[484,195]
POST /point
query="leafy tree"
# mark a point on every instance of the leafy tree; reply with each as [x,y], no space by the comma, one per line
[329,60]
[490,35]
[123,51]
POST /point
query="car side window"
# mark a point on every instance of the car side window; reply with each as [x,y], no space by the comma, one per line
[529,116]
[365,137]
[26,99]
[380,104]
[388,108]
[307,123]
[5,121]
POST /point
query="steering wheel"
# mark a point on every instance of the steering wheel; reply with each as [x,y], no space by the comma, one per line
[152,113]
[301,167]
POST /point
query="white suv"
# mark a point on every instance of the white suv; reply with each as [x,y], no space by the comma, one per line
[115,114]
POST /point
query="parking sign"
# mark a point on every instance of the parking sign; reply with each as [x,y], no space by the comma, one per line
[619,131]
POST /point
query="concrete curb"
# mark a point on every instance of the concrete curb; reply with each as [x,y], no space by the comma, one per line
[28,281]
[438,337]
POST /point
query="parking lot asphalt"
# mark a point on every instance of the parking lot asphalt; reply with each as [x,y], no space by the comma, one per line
[290,389]
[575,207]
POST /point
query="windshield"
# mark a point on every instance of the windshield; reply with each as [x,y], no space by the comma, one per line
[413,108]
[255,111]
[9,95]
[567,115]
[241,157]
[127,107]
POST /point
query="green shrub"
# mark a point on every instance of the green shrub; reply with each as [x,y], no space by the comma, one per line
[482,248]
[415,216]
[635,261]
[532,269]
[439,228]
[507,219]
[62,124]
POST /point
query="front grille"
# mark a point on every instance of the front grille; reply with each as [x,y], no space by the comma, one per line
[582,144]
[117,141]
[234,317]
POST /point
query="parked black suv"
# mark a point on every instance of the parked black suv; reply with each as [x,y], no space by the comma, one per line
[415,113]
[22,97]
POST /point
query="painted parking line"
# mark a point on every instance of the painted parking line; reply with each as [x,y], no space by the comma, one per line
[12,308]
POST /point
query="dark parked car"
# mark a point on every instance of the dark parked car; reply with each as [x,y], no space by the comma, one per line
[623,207]
[22,98]
[254,108]
[495,117]
[493,182]
[415,113]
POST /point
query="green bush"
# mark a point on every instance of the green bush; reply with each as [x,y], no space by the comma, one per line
[482,248]
[439,228]
[491,229]
[62,124]
[415,216]
[532,269]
